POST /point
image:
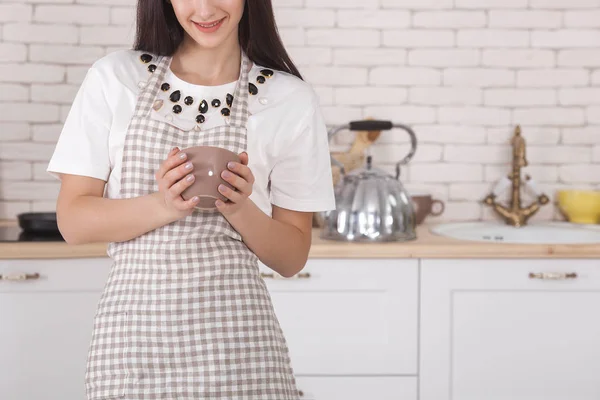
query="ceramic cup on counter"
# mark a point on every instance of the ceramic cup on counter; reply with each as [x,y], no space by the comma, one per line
[209,162]
[426,205]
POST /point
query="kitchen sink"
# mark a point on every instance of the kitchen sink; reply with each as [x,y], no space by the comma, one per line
[533,233]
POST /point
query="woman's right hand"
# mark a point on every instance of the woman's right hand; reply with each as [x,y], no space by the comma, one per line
[173,177]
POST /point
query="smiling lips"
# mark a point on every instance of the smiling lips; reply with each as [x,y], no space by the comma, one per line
[209,27]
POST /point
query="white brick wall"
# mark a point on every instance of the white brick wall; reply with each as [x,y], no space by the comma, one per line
[461,72]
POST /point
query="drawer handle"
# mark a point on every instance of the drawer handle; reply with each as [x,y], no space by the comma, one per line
[303,275]
[300,393]
[553,275]
[18,277]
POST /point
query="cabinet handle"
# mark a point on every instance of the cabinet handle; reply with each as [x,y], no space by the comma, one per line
[19,277]
[271,275]
[553,275]
[300,393]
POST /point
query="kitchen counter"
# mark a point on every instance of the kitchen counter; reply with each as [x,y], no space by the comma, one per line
[427,245]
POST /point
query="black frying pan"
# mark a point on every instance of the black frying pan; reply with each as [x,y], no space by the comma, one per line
[39,222]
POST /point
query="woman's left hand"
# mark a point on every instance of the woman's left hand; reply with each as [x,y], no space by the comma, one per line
[241,178]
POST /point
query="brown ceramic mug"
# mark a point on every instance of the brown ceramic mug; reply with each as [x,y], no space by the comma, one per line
[424,205]
[209,162]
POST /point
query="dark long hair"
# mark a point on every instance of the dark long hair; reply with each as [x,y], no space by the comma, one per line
[159,32]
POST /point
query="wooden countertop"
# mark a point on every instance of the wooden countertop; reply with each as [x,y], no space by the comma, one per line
[427,245]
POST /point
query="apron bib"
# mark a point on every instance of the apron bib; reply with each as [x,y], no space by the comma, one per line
[184,313]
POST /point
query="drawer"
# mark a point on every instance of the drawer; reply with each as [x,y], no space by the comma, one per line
[357,388]
[349,317]
[85,274]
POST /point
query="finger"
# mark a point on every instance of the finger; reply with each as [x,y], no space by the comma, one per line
[244,158]
[231,194]
[183,205]
[171,162]
[177,173]
[176,189]
[242,170]
[236,181]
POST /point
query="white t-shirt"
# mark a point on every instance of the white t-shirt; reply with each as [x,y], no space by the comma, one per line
[287,138]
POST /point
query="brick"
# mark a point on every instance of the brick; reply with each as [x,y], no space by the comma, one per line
[304,18]
[31,73]
[341,115]
[444,58]
[564,4]
[12,92]
[39,172]
[28,112]
[492,38]
[477,154]
[596,154]
[582,173]
[292,36]
[370,96]
[549,116]
[459,211]
[76,75]
[33,33]
[378,19]
[579,58]
[596,77]
[417,4]
[485,4]
[450,19]
[478,77]
[107,35]
[582,19]
[340,4]
[26,151]
[123,16]
[520,97]
[579,96]
[532,134]
[325,95]
[64,112]
[15,12]
[15,171]
[287,3]
[336,75]
[555,155]
[46,132]
[593,115]
[553,77]
[30,190]
[445,172]
[539,173]
[525,19]
[12,52]
[105,2]
[418,38]
[445,96]
[439,192]
[72,14]
[468,191]
[519,58]
[404,76]
[13,131]
[450,134]
[343,37]
[11,209]
[474,116]
[43,206]
[406,114]
[63,54]
[310,55]
[582,135]
[369,57]
[565,38]
[393,153]
[62,94]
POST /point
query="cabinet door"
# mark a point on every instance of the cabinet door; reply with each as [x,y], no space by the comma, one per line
[350,316]
[490,330]
[357,388]
[46,325]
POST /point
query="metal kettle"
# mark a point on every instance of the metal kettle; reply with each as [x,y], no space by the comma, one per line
[371,205]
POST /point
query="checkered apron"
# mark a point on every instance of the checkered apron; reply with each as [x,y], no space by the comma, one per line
[185,313]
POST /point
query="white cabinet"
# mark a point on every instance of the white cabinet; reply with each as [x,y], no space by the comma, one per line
[350,317]
[490,330]
[357,388]
[46,325]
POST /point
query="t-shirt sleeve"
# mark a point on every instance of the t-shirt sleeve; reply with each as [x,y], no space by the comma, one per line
[82,147]
[301,178]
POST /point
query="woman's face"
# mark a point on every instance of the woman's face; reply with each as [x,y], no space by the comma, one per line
[209,22]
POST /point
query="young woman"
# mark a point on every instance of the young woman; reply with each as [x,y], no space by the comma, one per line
[185,313]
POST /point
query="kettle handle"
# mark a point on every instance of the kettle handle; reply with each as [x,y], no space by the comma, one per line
[377,125]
